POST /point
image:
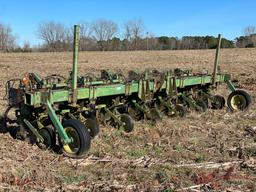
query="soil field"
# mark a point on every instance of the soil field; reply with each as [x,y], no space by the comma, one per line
[211,151]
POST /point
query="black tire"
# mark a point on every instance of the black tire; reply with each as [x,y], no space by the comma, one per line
[3,125]
[203,106]
[49,137]
[180,111]
[239,100]
[129,122]
[219,102]
[81,139]
[92,126]
[8,123]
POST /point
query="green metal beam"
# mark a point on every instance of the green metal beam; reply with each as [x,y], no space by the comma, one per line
[33,130]
[75,58]
[230,85]
[37,98]
[55,120]
[216,63]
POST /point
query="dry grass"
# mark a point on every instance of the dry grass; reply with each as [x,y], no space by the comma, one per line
[147,158]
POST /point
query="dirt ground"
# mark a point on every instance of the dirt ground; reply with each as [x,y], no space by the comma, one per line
[211,151]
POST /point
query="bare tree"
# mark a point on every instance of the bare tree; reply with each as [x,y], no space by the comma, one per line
[26,47]
[249,30]
[7,39]
[133,30]
[85,36]
[104,31]
[250,33]
[127,36]
[54,35]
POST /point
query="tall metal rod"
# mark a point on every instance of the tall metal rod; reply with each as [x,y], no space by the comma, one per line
[75,58]
[216,62]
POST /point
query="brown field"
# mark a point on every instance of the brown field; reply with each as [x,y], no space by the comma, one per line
[168,156]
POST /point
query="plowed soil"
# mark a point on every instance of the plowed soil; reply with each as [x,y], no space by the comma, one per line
[211,151]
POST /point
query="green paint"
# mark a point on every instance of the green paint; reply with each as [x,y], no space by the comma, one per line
[57,124]
[142,88]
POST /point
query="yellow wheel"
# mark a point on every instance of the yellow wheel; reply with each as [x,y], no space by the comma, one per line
[80,138]
[239,100]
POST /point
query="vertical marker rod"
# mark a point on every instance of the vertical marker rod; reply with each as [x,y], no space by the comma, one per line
[75,58]
[216,62]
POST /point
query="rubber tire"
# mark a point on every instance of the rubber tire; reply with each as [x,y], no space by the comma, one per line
[243,93]
[202,104]
[181,111]
[221,103]
[84,137]
[93,126]
[129,122]
[49,138]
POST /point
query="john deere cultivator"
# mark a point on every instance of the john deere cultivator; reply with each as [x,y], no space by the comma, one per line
[55,111]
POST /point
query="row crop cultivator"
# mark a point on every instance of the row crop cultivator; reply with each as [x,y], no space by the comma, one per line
[55,111]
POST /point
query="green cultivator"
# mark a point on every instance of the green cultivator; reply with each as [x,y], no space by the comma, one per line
[55,111]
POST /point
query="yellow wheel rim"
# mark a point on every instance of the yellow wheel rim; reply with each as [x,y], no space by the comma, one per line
[74,146]
[238,102]
[67,149]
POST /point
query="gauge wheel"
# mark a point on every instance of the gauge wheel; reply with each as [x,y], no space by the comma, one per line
[80,138]
[49,137]
[92,126]
[128,122]
[239,100]
[218,102]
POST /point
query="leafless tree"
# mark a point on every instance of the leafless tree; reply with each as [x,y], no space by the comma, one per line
[249,30]
[85,36]
[26,47]
[54,35]
[104,31]
[7,39]
[133,30]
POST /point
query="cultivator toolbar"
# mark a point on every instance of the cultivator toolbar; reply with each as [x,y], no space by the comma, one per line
[55,111]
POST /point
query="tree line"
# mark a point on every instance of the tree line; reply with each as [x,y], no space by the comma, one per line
[106,35]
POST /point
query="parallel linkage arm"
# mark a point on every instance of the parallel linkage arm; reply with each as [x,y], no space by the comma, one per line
[57,124]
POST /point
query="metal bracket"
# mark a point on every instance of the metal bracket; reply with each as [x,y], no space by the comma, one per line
[33,130]
[230,85]
[115,117]
[169,106]
[142,107]
[56,122]
[191,102]
[144,90]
